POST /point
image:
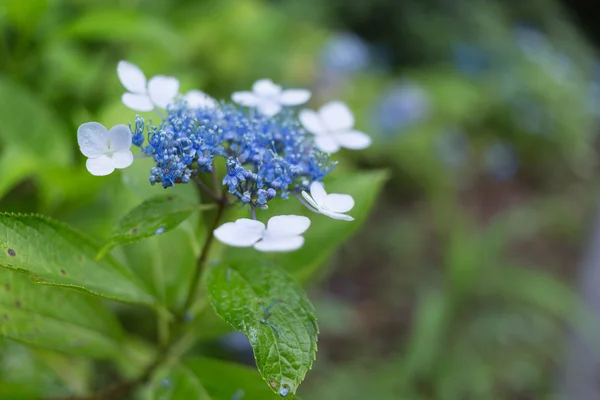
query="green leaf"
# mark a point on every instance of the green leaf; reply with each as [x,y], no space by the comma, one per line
[210,379]
[56,254]
[55,318]
[126,27]
[31,126]
[324,234]
[274,313]
[179,383]
[152,217]
[166,263]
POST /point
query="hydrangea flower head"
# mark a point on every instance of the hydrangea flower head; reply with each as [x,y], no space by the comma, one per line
[269,98]
[282,233]
[267,151]
[333,126]
[105,149]
[265,157]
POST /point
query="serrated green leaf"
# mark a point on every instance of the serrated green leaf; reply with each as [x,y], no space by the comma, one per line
[152,217]
[274,313]
[324,234]
[55,318]
[56,254]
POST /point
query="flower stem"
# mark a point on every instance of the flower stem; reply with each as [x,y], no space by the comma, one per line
[205,189]
[201,263]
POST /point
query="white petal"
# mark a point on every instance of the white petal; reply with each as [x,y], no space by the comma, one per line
[138,102]
[266,88]
[269,108]
[92,139]
[289,243]
[339,203]
[131,77]
[122,159]
[286,225]
[318,193]
[310,200]
[241,233]
[337,116]
[246,99]
[100,166]
[198,99]
[354,140]
[311,121]
[119,138]
[294,97]
[327,143]
[335,215]
[162,90]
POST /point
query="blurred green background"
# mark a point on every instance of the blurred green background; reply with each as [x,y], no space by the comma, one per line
[465,282]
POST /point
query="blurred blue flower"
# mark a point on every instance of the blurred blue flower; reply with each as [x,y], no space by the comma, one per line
[452,147]
[345,53]
[536,47]
[470,59]
[531,41]
[501,161]
[404,104]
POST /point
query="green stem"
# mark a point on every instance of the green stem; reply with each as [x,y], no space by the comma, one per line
[201,263]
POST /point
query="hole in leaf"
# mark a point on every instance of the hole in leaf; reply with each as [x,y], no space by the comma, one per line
[11,252]
[62,271]
[134,231]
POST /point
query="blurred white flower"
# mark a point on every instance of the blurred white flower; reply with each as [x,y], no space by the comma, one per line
[199,99]
[332,126]
[159,91]
[282,233]
[269,98]
[333,205]
[106,150]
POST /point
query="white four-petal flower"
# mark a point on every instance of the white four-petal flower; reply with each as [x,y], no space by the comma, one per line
[282,233]
[332,127]
[106,150]
[145,96]
[333,205]
[269,98]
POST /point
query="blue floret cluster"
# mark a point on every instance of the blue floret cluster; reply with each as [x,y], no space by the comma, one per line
[265,157]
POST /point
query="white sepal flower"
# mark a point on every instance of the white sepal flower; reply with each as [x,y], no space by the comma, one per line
[269,98]
[333,205]
[145,96]
[282,233]
[106,150]
[199,99]
[332,127]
